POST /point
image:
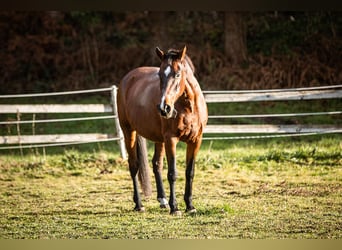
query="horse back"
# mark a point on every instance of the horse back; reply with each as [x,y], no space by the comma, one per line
[137,79]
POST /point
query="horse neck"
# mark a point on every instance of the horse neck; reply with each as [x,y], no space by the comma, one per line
[192,89]
[195,99]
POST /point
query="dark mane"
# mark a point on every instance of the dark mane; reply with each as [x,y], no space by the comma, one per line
[173,54]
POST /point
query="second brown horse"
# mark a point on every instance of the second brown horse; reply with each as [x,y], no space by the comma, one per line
[164,105]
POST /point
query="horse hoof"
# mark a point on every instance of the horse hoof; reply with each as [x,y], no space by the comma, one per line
[176,213]
[163,203]
[141,209]
[191,211]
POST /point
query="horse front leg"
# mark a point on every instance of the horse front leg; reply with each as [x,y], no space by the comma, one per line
[170,147]
[191,152]
[157,162]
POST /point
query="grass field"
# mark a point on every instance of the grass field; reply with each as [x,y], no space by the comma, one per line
[284,188]
[265,188]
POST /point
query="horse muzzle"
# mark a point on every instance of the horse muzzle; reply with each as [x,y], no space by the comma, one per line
[167,111]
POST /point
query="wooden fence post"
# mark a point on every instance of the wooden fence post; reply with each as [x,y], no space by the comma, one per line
[117,124]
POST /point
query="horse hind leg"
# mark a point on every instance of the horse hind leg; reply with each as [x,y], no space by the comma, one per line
[157,162]
[131,144]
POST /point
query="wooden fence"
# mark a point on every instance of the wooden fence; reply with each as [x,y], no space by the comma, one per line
[62,139]
[298,94]
[326,92]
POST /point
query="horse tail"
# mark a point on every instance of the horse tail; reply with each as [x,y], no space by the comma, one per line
[143,172]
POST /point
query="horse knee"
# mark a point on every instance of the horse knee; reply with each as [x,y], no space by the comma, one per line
[172,176]
[157,166]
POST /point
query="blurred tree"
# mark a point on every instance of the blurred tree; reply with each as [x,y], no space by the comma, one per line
[235,47]
[56,51]
[158,28]
[158,24]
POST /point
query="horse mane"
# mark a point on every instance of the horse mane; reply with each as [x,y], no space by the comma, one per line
[174,53]
[189,61]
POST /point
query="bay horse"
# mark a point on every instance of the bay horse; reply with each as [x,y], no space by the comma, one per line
[164,105]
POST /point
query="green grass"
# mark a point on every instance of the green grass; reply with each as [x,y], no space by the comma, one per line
[265,188]
[243,189]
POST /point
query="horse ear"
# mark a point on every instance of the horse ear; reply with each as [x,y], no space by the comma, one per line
[182,54]
[160,53]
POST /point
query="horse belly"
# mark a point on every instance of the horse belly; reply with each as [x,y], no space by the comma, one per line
[148,126]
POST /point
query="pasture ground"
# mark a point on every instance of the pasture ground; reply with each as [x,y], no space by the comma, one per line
[269,189]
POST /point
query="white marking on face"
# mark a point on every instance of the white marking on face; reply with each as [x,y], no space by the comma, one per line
[167,71]
[162,103]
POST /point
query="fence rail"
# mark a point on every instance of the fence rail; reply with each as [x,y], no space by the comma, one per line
[55,108]
[89,118]
[266,129]
[75,92]
[217,97]
[57,138]
[312,93]
[275,115]
[61,139]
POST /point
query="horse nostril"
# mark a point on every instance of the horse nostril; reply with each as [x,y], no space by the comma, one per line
[167,108]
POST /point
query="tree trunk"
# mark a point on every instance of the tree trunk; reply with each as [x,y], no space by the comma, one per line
[235,47]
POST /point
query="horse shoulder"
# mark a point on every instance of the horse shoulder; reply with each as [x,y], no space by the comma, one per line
[195,93]
[135,79]
[191,120]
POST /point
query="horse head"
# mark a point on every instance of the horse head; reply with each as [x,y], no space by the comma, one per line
[172,80]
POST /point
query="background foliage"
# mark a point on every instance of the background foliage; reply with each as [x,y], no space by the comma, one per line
[54,51]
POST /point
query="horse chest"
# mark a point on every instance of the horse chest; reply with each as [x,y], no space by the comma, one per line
[188,126]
